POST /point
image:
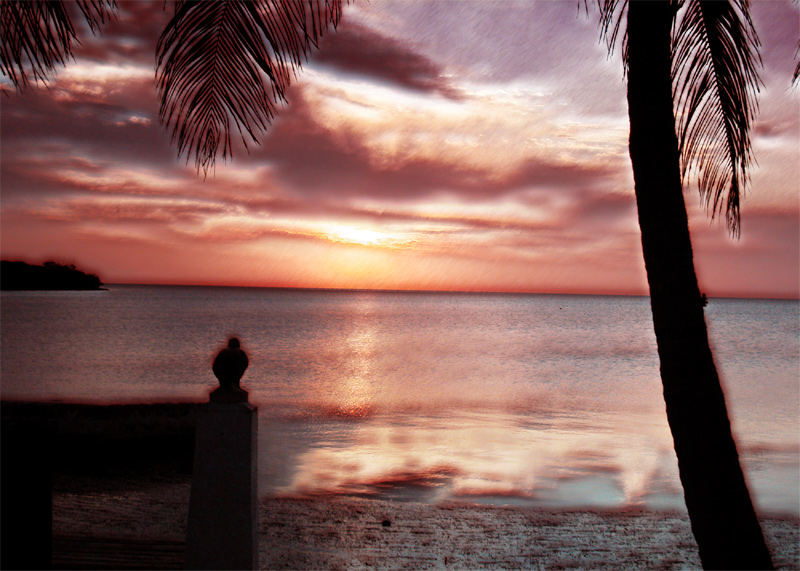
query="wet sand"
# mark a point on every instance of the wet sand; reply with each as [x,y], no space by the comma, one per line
[360,533]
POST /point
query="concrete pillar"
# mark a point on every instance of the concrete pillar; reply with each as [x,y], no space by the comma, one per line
[223,507]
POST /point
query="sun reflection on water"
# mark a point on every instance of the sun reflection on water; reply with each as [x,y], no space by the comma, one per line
[356,392]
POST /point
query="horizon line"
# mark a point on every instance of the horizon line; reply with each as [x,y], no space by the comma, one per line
[440,291]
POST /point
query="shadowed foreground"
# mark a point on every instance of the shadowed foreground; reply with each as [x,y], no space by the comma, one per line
[121,488]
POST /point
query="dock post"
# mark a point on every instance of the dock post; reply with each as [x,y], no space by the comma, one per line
[223,505]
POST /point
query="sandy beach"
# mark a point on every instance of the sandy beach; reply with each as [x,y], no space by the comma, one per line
[361,533]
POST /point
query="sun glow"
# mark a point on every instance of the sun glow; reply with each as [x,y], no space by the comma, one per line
[355,235]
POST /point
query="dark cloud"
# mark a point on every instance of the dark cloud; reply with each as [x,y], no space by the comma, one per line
[355,49]
[542,174]
[776,126]
[69,128]
[141,213]
[129,38]
[605,209]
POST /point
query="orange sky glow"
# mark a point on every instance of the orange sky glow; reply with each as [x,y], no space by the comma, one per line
[465,146]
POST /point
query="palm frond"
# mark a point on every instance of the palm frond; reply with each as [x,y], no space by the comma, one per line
[715,81]
[222,63]
[38,35]
[612,15]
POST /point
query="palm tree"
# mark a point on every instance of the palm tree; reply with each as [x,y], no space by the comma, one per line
[221,63]
[697,58]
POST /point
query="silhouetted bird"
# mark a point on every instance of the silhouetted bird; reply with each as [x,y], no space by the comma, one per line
[230,365]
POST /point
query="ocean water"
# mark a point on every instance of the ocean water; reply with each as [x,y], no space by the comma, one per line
[541,400]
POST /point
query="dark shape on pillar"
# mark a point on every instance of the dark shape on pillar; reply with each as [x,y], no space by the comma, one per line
[229,366]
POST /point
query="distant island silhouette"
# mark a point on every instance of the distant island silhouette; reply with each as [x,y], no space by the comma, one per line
[15,276]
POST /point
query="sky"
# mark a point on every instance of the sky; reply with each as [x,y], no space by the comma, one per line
[462,145]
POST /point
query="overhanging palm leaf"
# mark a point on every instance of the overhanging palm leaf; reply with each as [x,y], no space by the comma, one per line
[37,35]
[223,62]
[715,82]
[612,15]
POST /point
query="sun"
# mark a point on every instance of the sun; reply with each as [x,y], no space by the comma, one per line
[355,235]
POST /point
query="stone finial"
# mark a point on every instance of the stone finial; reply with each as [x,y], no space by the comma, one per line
[229,366]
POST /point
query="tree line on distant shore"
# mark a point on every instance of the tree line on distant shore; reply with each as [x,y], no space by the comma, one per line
[49,276]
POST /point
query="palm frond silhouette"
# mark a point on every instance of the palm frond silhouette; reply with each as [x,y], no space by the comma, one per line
[715,78]
[228,64]
[39,35]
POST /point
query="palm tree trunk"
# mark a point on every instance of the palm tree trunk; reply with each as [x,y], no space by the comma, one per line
[722,516]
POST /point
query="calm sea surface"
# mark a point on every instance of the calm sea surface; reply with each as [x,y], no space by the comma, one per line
[510,399]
